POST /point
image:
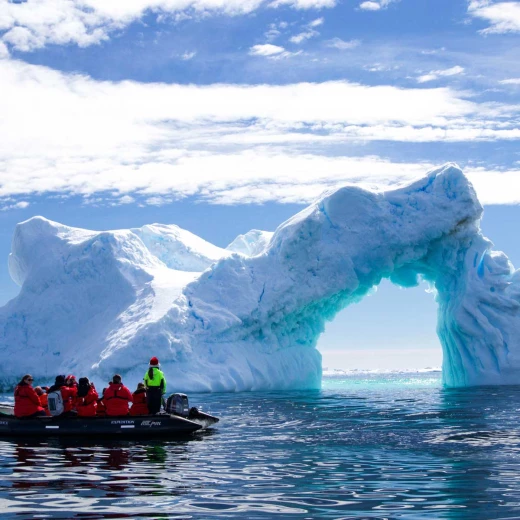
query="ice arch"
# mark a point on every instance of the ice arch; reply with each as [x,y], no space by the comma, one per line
[253,322]
[335,251]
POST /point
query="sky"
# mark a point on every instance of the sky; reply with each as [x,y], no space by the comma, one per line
[223,116]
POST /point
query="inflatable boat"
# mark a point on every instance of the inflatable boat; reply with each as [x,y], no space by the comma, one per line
[178,421]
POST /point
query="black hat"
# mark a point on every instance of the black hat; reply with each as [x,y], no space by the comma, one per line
[60,380]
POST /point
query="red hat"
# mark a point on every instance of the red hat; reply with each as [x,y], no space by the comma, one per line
[70,376]
[154,362]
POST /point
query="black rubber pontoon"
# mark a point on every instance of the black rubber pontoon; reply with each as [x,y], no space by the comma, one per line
[127,425]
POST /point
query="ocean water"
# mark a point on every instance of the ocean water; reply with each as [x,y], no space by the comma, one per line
[365,446]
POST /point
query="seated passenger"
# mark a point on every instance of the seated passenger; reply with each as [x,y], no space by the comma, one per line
[41,392]
[86,400]
[68,396]
[101,408]
[117,397]
[26,401]
[139,407]
[71,382]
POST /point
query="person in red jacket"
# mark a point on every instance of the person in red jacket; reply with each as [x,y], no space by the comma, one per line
[68,394]
[70,382]
[101,408]
[140,406]
[41,392]
[26,400]
[117,397]
[86,400]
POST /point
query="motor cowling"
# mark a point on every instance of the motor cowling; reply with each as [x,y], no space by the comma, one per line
[177,404]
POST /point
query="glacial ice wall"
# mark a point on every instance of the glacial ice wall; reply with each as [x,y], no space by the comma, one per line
[99,303]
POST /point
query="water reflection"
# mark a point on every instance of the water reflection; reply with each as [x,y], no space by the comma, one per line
[77,477]
[393,450]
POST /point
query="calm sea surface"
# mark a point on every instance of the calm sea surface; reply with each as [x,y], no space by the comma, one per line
[366,446]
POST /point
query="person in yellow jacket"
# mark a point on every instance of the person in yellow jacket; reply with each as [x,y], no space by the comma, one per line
[155,383]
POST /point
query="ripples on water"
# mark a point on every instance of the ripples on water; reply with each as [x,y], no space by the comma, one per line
[379,446]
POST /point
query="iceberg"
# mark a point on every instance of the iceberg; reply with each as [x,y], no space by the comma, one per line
[252,243]
[248,317]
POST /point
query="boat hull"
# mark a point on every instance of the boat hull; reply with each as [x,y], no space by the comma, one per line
[127,425]
[134,426]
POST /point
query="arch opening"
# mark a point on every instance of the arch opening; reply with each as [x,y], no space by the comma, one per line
[391,329]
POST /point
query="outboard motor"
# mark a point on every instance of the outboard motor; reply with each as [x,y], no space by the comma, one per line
[178,404]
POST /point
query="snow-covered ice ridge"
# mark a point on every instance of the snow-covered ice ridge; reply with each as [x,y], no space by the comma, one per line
[99,303]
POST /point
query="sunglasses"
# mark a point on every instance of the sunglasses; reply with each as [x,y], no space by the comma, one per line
[31,379]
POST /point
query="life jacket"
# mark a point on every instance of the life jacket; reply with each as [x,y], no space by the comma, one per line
[73,395]
[116,397]
[68,394]
[101,408]
[26,401]
[44,402]
[87,406]
[157,380]
[139,407]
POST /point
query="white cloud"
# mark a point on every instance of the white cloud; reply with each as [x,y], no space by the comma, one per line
[380,67]
[70,134]
[126,199]
[275,29]
[317,22]
[370,6]
[477,4]
[4,51]
[436,74]
[338,43]
[285,55]
[18,205]
[495,186]
[307,35]
[511,81]
[157,201]
[433,51]
[272,52]
[375,5]
[188,55]
[304,4]
[266,49]
[503,16]
[36,23]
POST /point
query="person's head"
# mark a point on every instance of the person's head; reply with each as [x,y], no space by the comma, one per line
[83,386]
[70,380]
[27,379]
[116,379]
[38,390]
[140,386]
[60,380]
[154,362]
